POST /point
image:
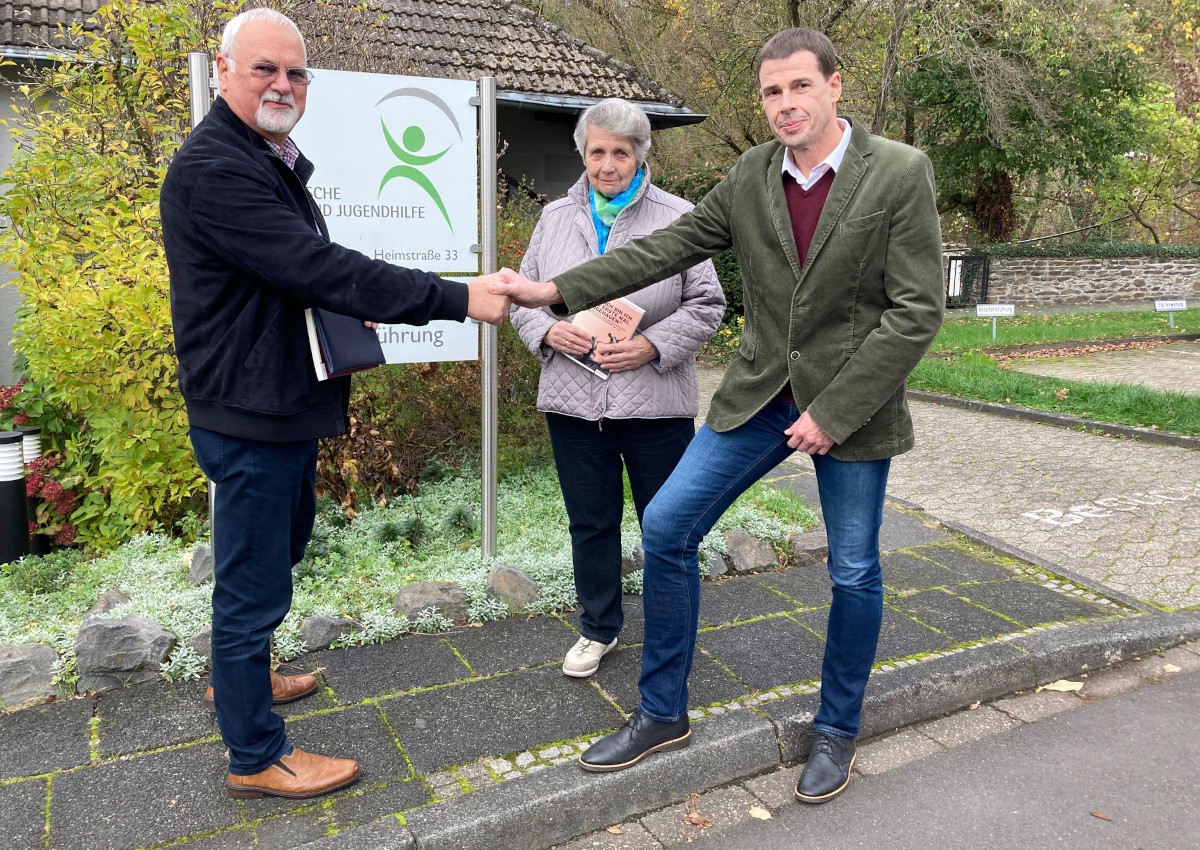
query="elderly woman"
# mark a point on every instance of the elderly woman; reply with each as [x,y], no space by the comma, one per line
[642,416]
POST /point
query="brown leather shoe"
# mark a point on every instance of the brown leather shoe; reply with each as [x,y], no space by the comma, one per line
[284,689]
[296,775]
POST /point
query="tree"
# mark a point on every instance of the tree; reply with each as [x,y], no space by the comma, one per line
[1018,90]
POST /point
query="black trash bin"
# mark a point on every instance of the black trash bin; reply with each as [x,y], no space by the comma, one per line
[14,513]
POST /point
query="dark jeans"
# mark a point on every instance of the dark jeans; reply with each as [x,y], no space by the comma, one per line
[264,512]
[716,469]
[589,456]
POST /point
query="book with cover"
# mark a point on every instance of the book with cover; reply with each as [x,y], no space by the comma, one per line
[612,321]
[340,345]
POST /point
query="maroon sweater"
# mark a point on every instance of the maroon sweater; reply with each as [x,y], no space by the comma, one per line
[804,208]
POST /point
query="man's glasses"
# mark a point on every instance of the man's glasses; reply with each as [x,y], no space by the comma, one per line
[269,71]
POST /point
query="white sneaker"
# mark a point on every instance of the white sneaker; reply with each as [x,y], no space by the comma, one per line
[584,657]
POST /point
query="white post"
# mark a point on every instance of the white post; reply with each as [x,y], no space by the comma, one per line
[487,343]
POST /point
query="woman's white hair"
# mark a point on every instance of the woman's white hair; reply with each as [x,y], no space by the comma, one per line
[230,33]
[620,118]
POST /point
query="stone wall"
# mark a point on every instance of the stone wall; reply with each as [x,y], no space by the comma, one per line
[1042,281]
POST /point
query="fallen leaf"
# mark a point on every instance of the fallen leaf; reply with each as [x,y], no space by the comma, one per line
[1064,685]
[1062,394]
[1101,815]
[1170,668]
[973,706]
[697,819]
[760,813]
[615,830]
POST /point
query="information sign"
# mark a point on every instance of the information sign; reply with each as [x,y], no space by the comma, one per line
[396,178]
[991,310]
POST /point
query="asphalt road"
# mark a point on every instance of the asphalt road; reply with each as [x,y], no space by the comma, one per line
[1135,759]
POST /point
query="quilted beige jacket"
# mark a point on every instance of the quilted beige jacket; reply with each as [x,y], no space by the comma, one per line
[682,312]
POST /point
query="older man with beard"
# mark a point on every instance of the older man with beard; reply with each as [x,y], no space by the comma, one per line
[248,251]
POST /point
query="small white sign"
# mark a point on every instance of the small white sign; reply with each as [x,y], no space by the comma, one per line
[432,343]
[1164,305]
[991,310]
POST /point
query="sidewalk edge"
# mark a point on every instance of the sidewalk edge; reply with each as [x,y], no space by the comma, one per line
[741,745]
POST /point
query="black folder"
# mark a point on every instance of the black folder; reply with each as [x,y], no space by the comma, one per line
[341,345]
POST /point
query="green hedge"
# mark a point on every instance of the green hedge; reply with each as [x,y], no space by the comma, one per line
[1090,250]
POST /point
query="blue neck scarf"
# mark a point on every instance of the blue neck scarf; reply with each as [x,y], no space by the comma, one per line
[605,211]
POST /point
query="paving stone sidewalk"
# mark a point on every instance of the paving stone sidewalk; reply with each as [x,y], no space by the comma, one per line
[437,717]
[1121,513]
[1172,367]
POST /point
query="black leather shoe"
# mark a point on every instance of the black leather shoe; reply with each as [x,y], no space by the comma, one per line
[638,738]
[828,770]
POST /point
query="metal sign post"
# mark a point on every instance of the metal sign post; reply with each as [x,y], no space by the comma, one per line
[488,353]
[1169,306]
[994,310]
[200,100]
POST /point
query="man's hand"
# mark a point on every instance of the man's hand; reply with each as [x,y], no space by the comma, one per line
[483,304]
[625,355]
[568,338]
[806,436]
[523,291]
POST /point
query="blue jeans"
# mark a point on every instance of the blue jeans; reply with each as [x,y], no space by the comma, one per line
[589,456]
[715,470]
[264,512]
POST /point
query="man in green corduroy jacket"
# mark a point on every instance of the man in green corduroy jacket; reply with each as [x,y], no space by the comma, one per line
[837,236]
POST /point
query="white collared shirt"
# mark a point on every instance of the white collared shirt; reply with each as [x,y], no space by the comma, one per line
[833,161]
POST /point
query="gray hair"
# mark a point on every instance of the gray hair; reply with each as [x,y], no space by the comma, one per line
[233,27]
[620,118]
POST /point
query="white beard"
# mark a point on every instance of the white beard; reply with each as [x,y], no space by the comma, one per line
[276,120]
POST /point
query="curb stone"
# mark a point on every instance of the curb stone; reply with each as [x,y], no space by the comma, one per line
[1061,653]
[736,746]
[722,750]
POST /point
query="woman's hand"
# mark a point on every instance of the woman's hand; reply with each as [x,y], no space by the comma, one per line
[568,338]
[626,355]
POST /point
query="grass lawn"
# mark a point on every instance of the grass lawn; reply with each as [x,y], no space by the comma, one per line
[978,376]
[963,368]
[975,334]
[355,568]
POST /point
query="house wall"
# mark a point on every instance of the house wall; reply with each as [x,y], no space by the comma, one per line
[1024,280]
[539,149]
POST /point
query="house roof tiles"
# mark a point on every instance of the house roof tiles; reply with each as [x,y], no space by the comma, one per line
[457,39]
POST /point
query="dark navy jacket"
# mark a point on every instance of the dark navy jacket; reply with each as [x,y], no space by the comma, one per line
[248,251]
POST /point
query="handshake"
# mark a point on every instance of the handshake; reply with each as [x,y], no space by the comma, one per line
[489,295]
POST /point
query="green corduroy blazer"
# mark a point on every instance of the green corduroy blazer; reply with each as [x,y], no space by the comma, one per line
[846,329]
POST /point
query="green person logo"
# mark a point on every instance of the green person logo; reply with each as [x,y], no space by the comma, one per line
[408,150]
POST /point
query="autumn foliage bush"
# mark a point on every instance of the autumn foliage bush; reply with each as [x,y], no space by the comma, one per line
[95,132]
[408,423]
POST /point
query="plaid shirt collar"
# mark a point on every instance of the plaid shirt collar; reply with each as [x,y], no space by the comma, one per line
[288,151]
